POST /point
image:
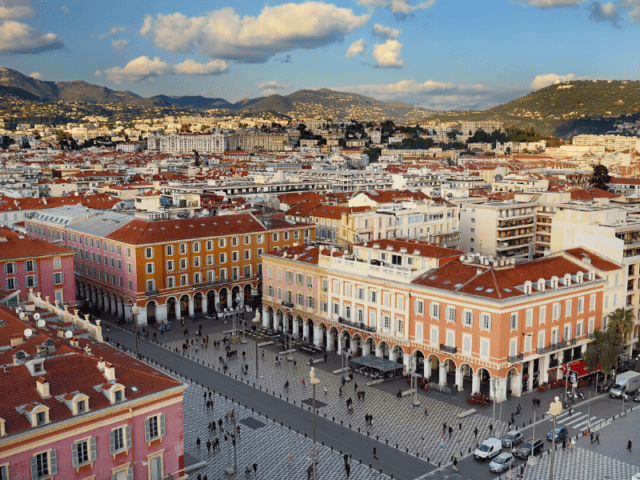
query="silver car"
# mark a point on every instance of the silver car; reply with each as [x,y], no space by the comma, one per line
[502,462]
[512,438]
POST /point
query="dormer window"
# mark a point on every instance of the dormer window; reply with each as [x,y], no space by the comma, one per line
[37,368]
[117,396]
[81,406]
[41,418]
[3,432]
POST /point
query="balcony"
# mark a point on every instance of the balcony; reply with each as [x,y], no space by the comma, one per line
[359,326]
[515,358]
[151,293]
[287,304]
[447,349]
[554,346]
[504,224]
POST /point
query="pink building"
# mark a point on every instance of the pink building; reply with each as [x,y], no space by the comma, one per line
[31,263]
[80,410]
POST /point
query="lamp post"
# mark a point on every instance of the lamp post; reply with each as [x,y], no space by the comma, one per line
[314,381]
[135,310]
[256,321]
[493,383]
[232,434]
[244,325]
[554,410]
[342,356]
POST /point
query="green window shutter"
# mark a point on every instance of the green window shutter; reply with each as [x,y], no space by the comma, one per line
[147,431]
[92,446]
[130,474]
[114,477]
[162,425]
[112,442]
[34,468]
[74,454]
[127,431]
[53,459]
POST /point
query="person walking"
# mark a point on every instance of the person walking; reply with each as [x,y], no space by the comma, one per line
[455,463]
[491,429]
[208,446]
[362,392]
[255,468]
[355,387]
[591,435]
[375,453]
[450,431]
[426,410]
[598,438]
[198,442]
[442,443]
[347,468]
[570,407]
[475,432]
[629,444]
[444,428]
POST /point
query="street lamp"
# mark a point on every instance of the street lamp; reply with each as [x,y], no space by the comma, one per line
[256,321]
[232,434]
[493,382]
[314,381]
[414,381]
[555,409]
[135,310]
[342,356]
[244,325]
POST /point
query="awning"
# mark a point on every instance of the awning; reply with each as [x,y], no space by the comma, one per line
[580,367]
[377,363]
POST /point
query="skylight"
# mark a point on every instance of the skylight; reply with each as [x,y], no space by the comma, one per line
[478,289]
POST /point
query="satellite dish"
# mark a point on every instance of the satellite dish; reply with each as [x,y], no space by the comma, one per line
[49,342]
[41,323]
[28,332]
[18,310]
[36,316]
[22,315]
[21,355]
[462,258]
[68,334]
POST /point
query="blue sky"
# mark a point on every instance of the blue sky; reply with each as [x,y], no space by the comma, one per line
[444,54]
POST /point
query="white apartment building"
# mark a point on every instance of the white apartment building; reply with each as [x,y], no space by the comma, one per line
[521,183]
[617,143]
[187,143]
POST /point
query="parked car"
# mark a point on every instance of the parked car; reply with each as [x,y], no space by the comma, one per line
[512,438]
[561,432]
[531,446]
[502,462]
[636,398]
[165,327]
[636,476]
[488,449]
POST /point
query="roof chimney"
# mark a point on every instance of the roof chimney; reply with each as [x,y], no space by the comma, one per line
[101,363]
[109,372]
[43,387]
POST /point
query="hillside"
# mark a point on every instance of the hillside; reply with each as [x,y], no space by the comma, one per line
[563,110]
[194,102]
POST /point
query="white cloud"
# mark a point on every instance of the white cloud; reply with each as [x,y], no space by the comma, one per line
[191,67]
[438,95]
[401,7]
[119,44]
[604,12]
[224,34]
[355,49]
[144,68]
[542,81]
[65,9]
[15,9]
[36,75]
[273,85]
[18,37]
[113,31]
[385,32]
[552,3]
[387,55]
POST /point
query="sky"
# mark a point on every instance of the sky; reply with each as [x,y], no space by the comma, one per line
[439,54]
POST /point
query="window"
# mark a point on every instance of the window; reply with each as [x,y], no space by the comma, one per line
[387,322]
[4,472]
[568,309]
[197,278]
[148,252]
[169,249]
[466,343]
[171,282]
[196,262]
[150,268]
[83,451]
[310,285]
[247,254]
[514,321]
[196,247]
[285,236]
[299,279]
[260,252]
[275,237]
[10,284]
[58,278]
[171,265]
[419,307]
[289,277]
[347,290]
[247,240]
[451,314]
[434,336]
[485,321]
[592,302]
[300,299]
[234,241]
[580,305]
[400,302]
[556,311]
[31,282]
[119,439]
[468,318]
[580,329]
[119,264]
[209,245]
[592,322]
[184,280]
[154,428]
[44,465]
[9,268]
[435,310]
[260,238]
[41,418]
[234,256]
[183,248]
[373,296]
[484,347]
[543,314]
[30,266]
[223,258]
[386,299]
[222,243]
[541,339]
[247,271]
[529,317]
[310,301]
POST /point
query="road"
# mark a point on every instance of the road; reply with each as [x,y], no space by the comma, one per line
[390,460]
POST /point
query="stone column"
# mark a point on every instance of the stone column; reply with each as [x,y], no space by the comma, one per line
[101,302]
[330,345]
[161,313]
[544,374]
[141,319]
[119,307]
[296,327]
[229,299]
[443,375]
[318,336]
[502,390]
[94,296]
[265,318]
[205,305]
[475,383]
[276,320]
[114,307]
[366,348]
[379,352]
[530,382]
[77,290]
[178,310]
[128,316]
[459,379]
[406,361]
[393,355]
[216,301]
[305,330]
[427,368]
[191,307]
[516,385]
[340,344]
[107,304]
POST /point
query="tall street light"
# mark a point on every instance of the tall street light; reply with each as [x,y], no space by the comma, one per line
[256,322]
[314,381]
[135,310]
[555,409]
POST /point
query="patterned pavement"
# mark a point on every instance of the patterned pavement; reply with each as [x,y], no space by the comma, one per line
[395,420]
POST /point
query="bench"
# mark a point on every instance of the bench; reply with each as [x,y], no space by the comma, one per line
[466,413]
[264,344]
[406,393]
[313,361]
[374,382]
[286,352]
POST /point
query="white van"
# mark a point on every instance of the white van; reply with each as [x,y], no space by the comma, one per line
[488,449]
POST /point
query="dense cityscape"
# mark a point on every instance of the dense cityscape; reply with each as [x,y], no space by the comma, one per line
[436,281]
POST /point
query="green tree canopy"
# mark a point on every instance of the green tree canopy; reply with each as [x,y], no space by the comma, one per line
[600,178]
[622,321]
[603,350]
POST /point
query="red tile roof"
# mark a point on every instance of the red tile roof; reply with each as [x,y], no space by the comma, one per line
[426,249]
[18,246]
[596,260]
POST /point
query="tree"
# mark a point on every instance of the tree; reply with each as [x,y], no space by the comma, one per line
[622,321]
[603,351]
[600,178]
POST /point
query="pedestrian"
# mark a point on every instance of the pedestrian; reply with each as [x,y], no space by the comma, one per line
[199,477]
[255,468]
[205,477]
[209,394]
[475,432]
[370,419]
[490,428]
[355,387]
[444,428]
[591,435]
[442,442]
[570,407]
[343,381]
[220,424]
[450,431]
[340,391]
[198,442]
[564,444]
[362,392]
[303,383]
[205,396]
[325,390]
[629,444]
[455,463]
[207,406]
[325,357]
[208,446]
[426,410]
[309,471]
[375,454]
[598,437]
[347,468]
[460,426]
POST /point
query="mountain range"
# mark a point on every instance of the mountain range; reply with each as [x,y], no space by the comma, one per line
[324,102]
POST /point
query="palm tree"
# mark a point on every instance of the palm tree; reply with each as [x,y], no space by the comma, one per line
[622,321]
[602,352]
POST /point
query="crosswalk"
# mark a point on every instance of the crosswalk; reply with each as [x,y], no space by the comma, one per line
[577,420]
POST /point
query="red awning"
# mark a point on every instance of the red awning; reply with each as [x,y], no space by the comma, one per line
[580,367]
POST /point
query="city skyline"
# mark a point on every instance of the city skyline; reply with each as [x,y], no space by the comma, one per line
[436,54]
